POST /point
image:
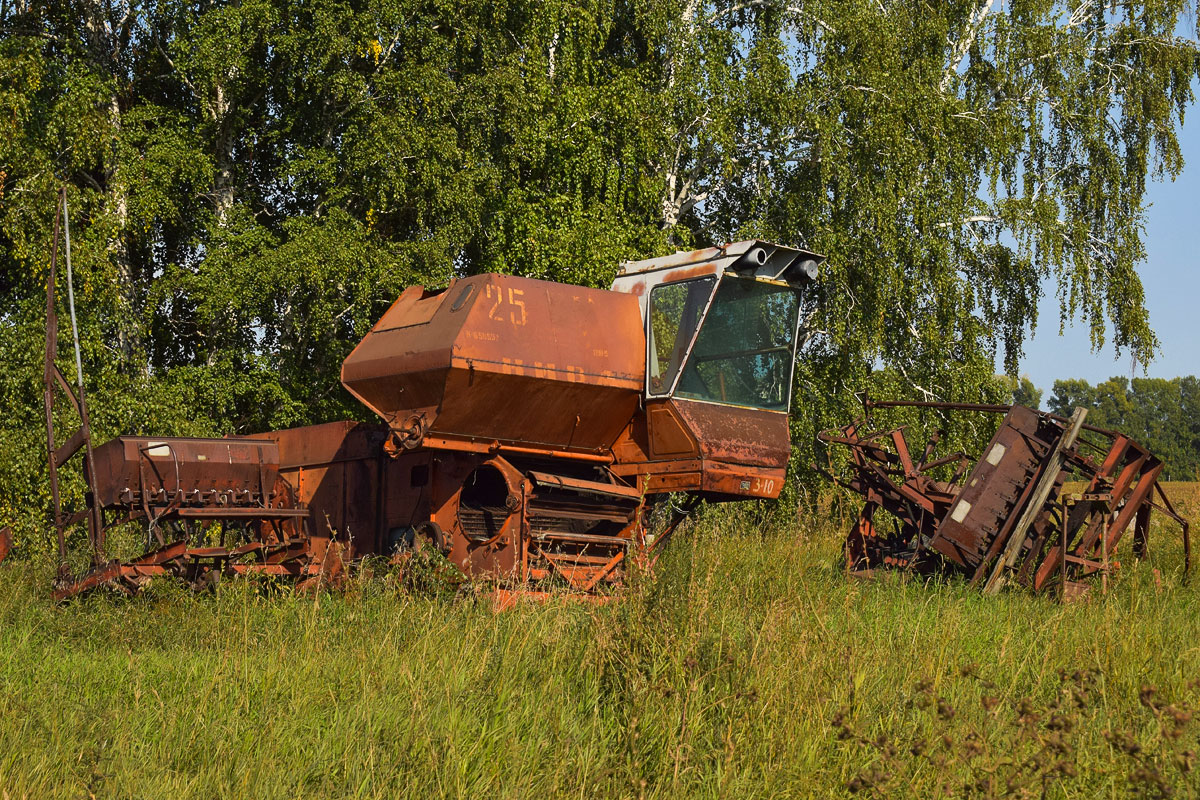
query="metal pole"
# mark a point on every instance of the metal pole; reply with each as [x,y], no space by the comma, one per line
[48,388]
[95,514]
[71,295]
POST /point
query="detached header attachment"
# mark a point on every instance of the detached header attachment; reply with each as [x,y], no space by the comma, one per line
[1009,515]
[204,507]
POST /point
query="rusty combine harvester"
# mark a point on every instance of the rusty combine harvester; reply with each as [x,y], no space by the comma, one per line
[527,428]
[1005,516]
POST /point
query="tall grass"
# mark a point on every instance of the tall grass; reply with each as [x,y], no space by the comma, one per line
[747,666]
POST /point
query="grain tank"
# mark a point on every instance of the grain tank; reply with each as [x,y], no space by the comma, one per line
[505,362]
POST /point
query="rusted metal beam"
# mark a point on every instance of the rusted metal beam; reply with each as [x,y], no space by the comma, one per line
[993,408]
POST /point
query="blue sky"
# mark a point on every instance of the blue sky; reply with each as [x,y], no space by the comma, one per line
[1169,275]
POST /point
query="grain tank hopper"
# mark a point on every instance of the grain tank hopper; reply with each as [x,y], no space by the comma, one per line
[524,429]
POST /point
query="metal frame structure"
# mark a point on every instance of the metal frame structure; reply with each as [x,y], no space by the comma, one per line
[1003,517]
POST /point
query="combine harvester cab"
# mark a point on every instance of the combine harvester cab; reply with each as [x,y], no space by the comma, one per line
[526,426]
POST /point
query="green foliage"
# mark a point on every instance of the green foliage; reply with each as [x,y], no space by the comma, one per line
[252,182]
[1022,391]
[1162,415]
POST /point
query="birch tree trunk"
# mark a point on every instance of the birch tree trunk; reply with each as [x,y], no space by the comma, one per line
[223,181]
[107,43]
[677,187]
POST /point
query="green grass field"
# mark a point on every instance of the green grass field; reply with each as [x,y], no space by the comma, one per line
[749,666]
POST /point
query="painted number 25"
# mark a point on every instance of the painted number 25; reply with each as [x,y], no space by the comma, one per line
[516,313]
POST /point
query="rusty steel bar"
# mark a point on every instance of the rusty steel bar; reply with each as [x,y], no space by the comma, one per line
[1175,515]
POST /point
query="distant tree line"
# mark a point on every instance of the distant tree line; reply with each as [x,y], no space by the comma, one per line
[1163,415]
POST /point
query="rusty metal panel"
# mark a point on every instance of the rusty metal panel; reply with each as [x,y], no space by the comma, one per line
[669,436]
[127,464]
[739,480]
[505,359]
[992,490]
[534,411]
[681,259]
[665,482]
[737,435]
[361,499]
[335,470]
[319,488]
[326,444]
[406,490]
[633,445]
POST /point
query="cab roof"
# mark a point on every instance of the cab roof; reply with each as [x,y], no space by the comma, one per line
[751,258]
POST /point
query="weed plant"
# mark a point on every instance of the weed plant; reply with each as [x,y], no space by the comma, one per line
[747,665]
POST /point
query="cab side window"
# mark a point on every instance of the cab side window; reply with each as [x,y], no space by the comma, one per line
[675,310]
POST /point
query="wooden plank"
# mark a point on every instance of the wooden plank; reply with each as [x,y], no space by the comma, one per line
[1034,507]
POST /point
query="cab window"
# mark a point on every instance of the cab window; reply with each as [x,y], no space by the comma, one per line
[744,352]
[675,310]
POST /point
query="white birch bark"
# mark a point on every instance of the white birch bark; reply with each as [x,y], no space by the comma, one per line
[963,45]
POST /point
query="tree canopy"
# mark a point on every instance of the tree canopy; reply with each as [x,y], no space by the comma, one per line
[1162,415]
[252,181]
[1024,393]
